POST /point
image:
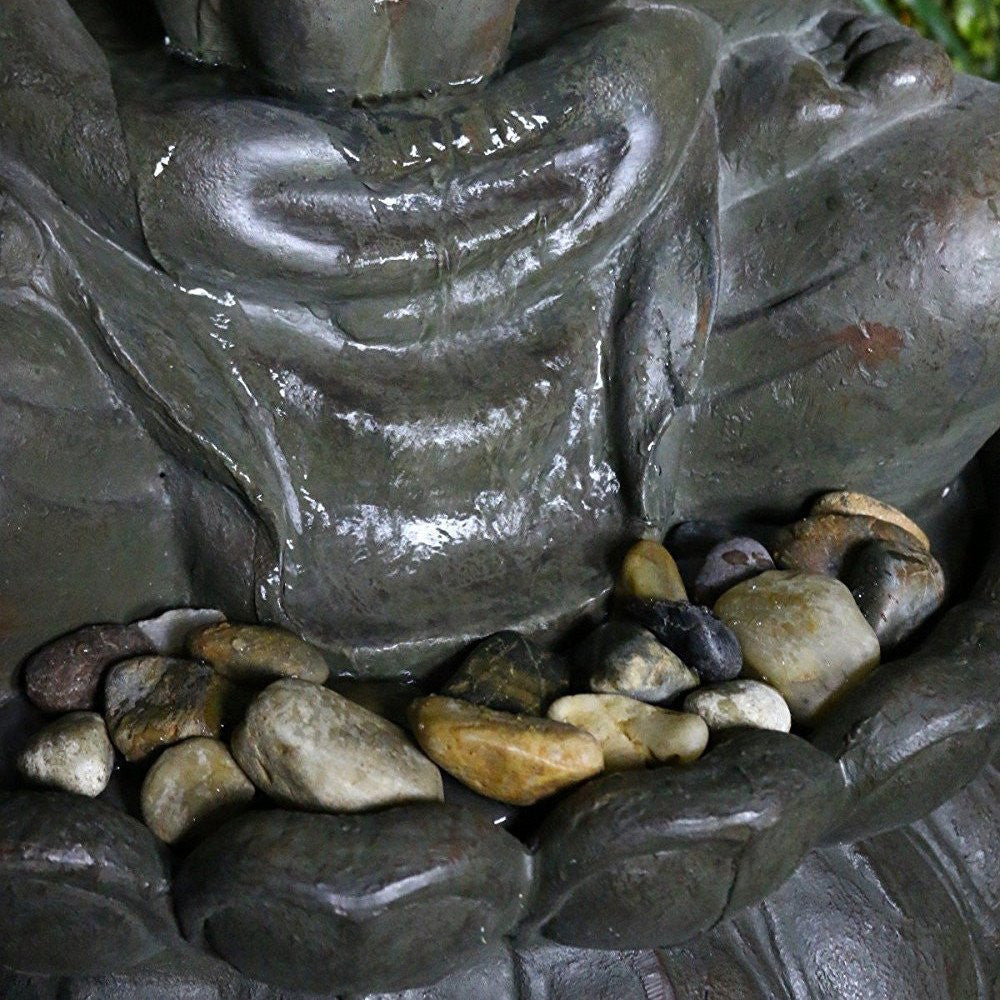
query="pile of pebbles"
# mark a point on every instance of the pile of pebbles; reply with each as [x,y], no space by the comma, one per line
[217,713]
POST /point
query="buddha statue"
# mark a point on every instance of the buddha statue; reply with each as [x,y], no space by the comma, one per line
[392,323]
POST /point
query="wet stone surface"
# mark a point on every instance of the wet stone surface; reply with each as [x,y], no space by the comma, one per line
[73,754]
[192,787]
[896,588]
[698,637]
[257,654]
[153,701]
[509,673]
[631,733]
[517,759]
[801,633]
[621,657]
[307,746]
[727,564]
[66,675]
[740,703]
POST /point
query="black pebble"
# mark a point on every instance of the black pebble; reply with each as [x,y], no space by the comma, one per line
[706,645]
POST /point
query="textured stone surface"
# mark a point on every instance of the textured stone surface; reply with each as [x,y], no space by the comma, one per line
[152,701]
[73,753]
[307,746]
[257,654]
[823,543]
[846,502]
[740,703]
[65,675]
[698,637]
[896,588]
[509,673]
[621,657]
[517,759]
[385,901]
[622,862]
[631,733]
[803,634]
[85,888]
[191,787]
[727,564]
[649,572]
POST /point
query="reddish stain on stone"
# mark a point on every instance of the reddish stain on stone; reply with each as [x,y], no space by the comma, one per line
[871,344]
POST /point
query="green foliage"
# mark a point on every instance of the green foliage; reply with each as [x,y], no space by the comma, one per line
[968,29]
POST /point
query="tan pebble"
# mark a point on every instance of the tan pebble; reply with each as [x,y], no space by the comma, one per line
[192,786]
[740,703]
[803,634]
[631,733]
[650,573]
[517,759]
[308,746]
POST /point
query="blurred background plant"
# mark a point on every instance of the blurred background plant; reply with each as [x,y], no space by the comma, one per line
[968,29]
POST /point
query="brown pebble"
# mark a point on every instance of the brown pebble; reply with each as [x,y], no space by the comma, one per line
[65,675]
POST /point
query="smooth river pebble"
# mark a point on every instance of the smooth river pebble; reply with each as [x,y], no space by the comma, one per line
[621,657]
[73,753]
[518,759]
[801,633]
[740,703]
[631,733]
[307,746]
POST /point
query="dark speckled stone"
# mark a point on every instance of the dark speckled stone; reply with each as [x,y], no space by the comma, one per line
[705,644]
[508,673]
[65,675]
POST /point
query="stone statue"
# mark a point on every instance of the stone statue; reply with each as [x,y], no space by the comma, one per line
[392,323]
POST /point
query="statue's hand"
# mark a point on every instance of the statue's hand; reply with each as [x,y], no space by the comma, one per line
[563,155]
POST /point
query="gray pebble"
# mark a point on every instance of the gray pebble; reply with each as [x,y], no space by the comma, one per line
[740,703]
[727,564]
